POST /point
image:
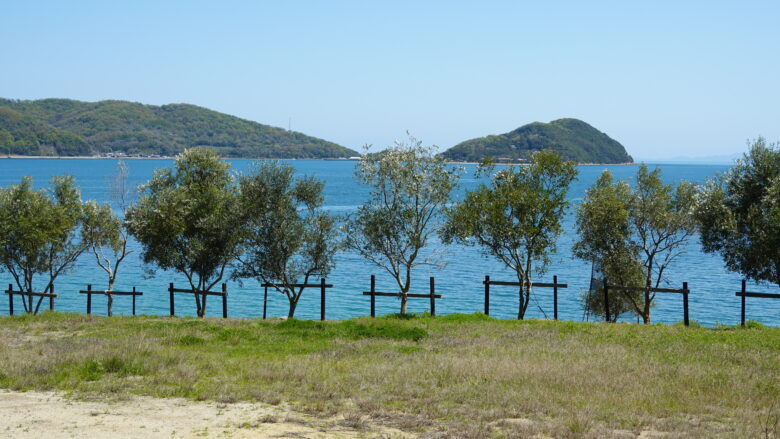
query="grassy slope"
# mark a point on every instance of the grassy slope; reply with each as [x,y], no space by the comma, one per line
[468,376]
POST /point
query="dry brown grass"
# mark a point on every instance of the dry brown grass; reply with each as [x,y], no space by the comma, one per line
[470,377]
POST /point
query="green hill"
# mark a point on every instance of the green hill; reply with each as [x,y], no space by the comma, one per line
[572,138]
[67,128]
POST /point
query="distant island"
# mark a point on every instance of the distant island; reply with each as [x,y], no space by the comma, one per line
[64,127]
[572,138]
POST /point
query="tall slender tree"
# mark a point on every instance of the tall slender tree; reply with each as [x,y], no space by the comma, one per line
[409,187]
[517,218]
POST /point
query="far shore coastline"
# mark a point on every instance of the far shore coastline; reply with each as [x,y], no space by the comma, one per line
[93,157]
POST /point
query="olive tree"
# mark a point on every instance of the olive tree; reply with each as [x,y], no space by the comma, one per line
[409,187]
[662,222]
[104,230]
[287,238]
[517,217]
[651,221]
[604,230]
[739,214]
[39,233]
[187,219]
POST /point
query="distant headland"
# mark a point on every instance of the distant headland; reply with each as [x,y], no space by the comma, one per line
[574,139]
[64,127]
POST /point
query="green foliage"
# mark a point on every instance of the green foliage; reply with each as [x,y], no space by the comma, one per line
[67,127]
[574,139]
[604,233]
[286,236]
[39,232]
[188,219]
[632,235]
[409,187]
[739,214]
[517,218]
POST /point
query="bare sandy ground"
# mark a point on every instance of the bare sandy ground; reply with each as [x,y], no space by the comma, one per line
[52,416]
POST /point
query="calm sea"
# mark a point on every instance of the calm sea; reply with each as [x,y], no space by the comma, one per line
[712,300]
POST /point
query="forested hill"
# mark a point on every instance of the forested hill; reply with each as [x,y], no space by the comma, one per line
[67,128]
[572,138]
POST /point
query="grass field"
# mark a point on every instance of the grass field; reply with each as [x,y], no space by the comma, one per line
[459,375]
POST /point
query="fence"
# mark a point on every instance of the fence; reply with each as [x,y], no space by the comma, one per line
[29,294]
[554,285]
[647,290]
[431,295]
[322,286]
[222,294]
[744,294]
[89,292]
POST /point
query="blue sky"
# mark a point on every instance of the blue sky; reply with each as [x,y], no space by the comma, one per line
[664,78]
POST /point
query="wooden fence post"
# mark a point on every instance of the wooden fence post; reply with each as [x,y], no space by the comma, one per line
[744,290]
[606,300]
[487,295]
[555,297]
[322,299]
[170,290]
[51,298]
[265,300]
[224,300]
[133,300]
[433,297]
[89,299]
[11,300]
[373,297]
[686,321]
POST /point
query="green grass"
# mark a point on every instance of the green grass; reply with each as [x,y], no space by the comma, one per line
[460,375]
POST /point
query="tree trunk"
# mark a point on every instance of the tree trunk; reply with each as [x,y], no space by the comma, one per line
[202,311]
[291,311]
[404,301]
[110,298]
[521,303]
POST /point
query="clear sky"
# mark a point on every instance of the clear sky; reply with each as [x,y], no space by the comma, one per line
[666,79]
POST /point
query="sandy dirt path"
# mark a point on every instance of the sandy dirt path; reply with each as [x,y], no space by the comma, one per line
[52,416]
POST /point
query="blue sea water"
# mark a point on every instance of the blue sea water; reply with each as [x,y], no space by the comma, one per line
[712,299]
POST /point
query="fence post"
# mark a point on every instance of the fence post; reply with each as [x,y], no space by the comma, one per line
[11,299]
[322,299]
[89,299]
[133,300]
[373,297]
[265,300]
[433,297]
[224,300]
[606,300]
[170,290]
[555,297]
[744,288]
[51,298]
[487,295]
[685,304]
